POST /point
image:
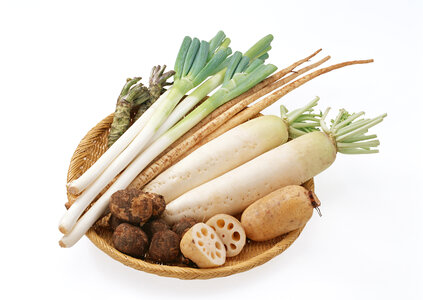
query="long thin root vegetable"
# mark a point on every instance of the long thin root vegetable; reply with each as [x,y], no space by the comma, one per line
[279,212]
[250,112]
[292,163]
[271,86]
[229,151]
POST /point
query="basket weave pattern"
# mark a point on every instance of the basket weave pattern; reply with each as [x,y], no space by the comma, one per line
[91,147]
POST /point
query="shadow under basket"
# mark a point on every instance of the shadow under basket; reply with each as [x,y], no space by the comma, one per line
[91,147]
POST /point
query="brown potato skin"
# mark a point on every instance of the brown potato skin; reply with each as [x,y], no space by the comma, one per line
[277,213]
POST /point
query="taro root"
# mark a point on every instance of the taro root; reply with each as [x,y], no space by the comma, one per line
[132,206]
[130,239]
[114,221]
[164,246]
[183,225]
[159,204]
[154,226]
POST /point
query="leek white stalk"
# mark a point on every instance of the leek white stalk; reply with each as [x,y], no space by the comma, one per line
[192,67]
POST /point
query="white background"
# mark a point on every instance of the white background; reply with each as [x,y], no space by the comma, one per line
[62,65]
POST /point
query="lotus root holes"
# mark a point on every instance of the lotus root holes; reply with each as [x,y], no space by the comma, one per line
[220,223]
[204,231]
[218,246]
[236,236]
[233,247]
[230,226]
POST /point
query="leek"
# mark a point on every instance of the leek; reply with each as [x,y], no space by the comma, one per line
[192,67]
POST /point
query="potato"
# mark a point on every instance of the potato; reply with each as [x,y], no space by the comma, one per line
[279,212]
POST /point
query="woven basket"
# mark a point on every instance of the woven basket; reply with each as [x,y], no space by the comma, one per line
[254,254]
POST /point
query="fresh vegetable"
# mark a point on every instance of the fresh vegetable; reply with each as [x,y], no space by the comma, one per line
[230,231]
[279,212]
[202,245]
[122,117]
[135,99]
[131,206]
[249,76]
[164,246]
[231,150]
[292,163]
[130,239]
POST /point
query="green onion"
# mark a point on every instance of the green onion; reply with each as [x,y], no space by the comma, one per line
[192,67]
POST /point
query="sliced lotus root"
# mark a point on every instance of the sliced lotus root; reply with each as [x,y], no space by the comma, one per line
[202,245]
[230,231]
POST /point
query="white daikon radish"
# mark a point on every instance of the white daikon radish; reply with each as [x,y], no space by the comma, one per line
[292,163]
[224,153]
[230,150]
